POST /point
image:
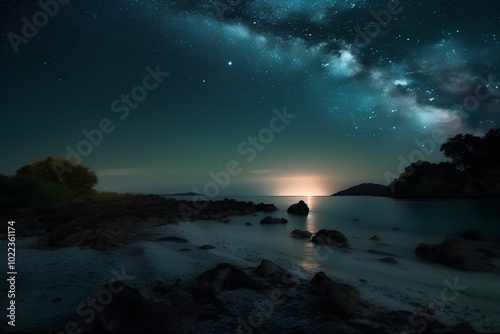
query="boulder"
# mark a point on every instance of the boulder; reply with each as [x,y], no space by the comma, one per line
[271,220]
[207,247]
[299,208]
[329,237]
[341,299]
[489,252]
[454,253]
[129,311]
[472,235]
[375,238]
[301,234]
[268,268]
[224,277]
[248,224]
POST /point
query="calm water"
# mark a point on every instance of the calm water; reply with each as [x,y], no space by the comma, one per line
[378,214]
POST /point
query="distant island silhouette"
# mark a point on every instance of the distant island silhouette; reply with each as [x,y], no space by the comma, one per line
[365,189]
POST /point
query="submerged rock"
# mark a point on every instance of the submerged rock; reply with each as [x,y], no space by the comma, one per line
[299,208]
[375,238]
[301,234]
[454,253]
[271,220]
[248,224]
[207,247]
[173,239]
[329,237]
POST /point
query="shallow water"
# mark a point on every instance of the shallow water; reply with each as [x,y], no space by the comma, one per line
[359,218]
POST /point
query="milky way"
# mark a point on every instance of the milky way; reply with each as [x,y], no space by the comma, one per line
[423,62]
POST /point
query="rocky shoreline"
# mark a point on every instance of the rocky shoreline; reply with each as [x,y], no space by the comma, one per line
[234,298]
[104,223]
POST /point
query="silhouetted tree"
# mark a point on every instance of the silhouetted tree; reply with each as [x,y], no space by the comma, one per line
[423,178]
[76,178]
[474,154]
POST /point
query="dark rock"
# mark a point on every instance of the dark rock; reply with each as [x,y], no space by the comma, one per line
[220,210]
[268,268]
[128,311]
[388,260]
[488,252]
[184,250]
[341,299]
[265,207]
[248,224]
[207,247]
[79,232]
[395,229]
[299,208]
[173,239]
[103,221]
[329,237]
[301,234]
[472,235]
[375,238]
[271,220]
[454,253]
[224,277]
[57,299]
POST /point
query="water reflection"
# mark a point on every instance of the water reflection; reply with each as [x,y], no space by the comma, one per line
[311,223]
[309,260]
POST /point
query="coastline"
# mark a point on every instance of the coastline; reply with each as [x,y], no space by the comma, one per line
[384,306]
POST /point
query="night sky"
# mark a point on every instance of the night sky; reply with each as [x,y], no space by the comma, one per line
[332,93]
